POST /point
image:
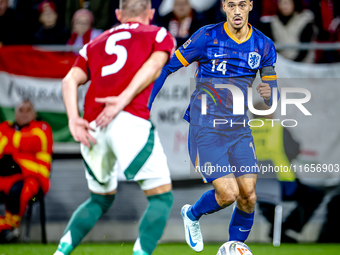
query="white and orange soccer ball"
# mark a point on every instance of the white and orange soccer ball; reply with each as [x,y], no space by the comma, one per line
[234,248]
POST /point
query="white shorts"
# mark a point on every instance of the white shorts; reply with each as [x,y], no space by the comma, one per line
[130,147]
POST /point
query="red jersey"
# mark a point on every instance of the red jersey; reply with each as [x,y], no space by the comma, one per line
[113,58]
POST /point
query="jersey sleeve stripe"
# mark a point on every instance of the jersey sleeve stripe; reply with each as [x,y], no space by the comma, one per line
[181,58]
[83,52]
[269,78]
[161,35]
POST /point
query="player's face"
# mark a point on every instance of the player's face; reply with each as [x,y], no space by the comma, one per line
[24,113]
[237,12]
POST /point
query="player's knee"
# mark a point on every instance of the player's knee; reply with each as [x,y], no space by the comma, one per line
[248,198]
[163,201]
[226,198]
[168,198]
[104,201]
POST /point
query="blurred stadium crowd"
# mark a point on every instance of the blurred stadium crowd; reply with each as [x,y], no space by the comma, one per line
[76,22]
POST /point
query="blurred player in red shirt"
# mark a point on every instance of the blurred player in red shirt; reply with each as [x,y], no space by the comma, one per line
[25,160]
[115,133]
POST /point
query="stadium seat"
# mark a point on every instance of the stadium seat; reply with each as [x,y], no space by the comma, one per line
[28,215]
[268,190]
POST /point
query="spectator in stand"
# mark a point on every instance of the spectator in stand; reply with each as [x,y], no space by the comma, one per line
[25,160]
[99,8]
[10,23]
[327,19]
[292,25]
[50,31]
[28,9]
[82,30]
[183,21]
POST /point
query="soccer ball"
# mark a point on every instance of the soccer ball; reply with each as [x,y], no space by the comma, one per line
[234,248]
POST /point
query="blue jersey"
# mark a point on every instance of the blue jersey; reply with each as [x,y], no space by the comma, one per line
[222,59]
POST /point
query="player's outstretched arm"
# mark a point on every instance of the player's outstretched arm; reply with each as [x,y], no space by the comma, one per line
[269,81]
[264,90]
[188,53]
[147,74]
[170,68]
[78,126]
[268,74]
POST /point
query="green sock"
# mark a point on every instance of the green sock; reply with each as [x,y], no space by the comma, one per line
[139,252]
[83,220]
[153,223]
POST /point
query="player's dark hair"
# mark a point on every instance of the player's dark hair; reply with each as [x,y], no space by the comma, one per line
[134,8]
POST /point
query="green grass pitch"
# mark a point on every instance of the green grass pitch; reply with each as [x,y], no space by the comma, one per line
[167,249]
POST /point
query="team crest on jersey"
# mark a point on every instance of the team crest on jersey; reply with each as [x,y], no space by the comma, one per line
[254,60]
[186,44]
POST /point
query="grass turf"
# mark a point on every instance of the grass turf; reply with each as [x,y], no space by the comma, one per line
[166,249]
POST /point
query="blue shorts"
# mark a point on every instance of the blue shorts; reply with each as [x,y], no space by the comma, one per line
[217,153]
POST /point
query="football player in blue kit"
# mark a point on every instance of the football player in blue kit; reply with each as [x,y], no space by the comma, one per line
[229,54]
